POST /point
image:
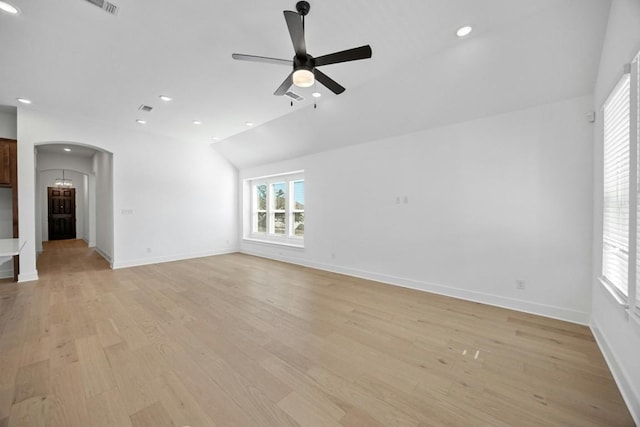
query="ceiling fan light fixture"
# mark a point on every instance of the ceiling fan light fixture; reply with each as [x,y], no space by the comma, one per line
[303,78]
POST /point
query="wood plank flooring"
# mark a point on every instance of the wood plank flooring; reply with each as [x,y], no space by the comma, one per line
[236,340]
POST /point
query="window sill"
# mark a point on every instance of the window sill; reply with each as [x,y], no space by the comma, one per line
[273,242]
[615,294]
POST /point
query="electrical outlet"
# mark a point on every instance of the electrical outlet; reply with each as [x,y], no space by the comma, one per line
[520,285]
[148,250]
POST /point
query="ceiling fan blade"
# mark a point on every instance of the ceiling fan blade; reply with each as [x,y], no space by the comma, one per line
[362,52]
[284,87]
[331,84]
[296,31]
[253,58]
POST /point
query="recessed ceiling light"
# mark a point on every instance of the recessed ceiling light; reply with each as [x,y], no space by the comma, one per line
[215,138]
[197,122]
[249,123]
[24,100]
[165,98]
[6,7]
[67,149]
[316,94]
[464,31]
[142,122]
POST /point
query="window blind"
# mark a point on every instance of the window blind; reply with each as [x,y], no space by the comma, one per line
[635,139]
[615,257]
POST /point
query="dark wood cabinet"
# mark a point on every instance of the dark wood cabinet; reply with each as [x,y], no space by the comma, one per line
[8,160]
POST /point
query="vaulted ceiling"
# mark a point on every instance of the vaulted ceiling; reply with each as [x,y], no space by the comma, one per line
[73,58]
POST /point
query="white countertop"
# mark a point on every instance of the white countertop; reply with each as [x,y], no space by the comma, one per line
[10,247]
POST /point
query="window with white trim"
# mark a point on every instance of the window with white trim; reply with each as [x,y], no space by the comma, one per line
[621,202]
[277,208]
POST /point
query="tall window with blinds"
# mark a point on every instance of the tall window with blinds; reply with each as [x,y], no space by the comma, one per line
[615,257]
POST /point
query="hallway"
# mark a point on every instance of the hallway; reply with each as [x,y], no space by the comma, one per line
[68,256]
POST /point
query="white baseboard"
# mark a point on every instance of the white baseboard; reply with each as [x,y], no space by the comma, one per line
[28,277]
[629,393]
[170,258]
[104,255]
[555,312]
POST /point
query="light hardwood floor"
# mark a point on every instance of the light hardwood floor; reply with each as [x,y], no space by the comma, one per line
[236,340]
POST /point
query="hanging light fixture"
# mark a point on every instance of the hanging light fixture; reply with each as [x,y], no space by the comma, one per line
[62,182]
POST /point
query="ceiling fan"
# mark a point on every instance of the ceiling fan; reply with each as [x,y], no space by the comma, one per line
[305,71]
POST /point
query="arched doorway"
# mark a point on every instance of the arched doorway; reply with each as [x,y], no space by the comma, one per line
[89,171]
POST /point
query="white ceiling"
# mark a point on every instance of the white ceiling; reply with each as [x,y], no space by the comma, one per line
[73,58]
[58,149]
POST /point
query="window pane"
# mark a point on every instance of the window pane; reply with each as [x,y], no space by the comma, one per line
[279,195]
[635,98]
[615,257]
[298,195]
[262,222]
[279,224]
[298,224]
[261,192]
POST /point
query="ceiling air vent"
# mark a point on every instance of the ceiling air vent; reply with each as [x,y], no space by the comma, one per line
[146,108]
[294,96]
[105,5]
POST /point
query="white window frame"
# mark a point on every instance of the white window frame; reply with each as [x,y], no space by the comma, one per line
[270,236]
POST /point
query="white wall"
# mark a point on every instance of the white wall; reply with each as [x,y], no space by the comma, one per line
[618,334]
[7,130]
[8,125]
[103,170]
[181,195]
[490,202]
[91,216]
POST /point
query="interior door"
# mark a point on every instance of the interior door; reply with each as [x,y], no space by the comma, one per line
[62,213]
